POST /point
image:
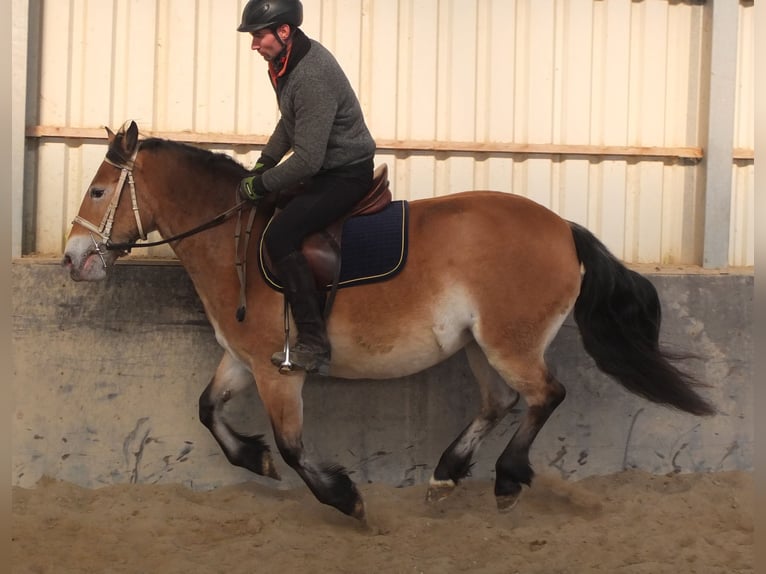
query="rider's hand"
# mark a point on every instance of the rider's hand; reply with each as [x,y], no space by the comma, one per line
[251,187]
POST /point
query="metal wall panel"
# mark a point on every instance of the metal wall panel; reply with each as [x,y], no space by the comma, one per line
[483,72]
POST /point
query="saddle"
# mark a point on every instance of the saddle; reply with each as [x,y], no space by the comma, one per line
[323,248]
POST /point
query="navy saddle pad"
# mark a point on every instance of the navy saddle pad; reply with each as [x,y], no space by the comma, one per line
[373,247]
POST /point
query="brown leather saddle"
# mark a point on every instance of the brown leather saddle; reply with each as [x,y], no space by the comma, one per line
[322,249]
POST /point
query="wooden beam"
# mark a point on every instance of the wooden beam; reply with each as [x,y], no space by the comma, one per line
[392,145]
[63,132]
[743,154]
[691,153]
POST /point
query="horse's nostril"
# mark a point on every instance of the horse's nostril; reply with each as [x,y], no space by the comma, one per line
[66,261]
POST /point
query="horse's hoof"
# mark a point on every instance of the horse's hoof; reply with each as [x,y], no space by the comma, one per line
[268,468]
[506,503]
[438,490]
[359,512]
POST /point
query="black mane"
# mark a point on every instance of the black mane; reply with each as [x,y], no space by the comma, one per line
[213,161]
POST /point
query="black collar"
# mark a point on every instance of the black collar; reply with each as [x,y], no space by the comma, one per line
[299,47]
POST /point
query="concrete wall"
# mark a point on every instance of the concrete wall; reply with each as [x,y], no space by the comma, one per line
[107,378]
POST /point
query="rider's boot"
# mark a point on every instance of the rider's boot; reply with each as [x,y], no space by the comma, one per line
[311,352]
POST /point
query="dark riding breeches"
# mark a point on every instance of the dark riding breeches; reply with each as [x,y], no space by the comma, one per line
[328,196]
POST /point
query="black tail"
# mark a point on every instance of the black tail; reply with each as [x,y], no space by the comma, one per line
[618,314]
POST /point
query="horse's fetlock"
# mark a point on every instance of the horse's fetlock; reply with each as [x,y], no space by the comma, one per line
[516,470]
[511,474]
[525,475]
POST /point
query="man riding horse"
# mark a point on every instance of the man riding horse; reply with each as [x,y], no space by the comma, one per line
[332,158]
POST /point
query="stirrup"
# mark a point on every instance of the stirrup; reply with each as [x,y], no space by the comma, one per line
[312,362]
[282,360]
[286,366]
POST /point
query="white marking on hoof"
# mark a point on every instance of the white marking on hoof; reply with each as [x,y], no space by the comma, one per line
[438,490]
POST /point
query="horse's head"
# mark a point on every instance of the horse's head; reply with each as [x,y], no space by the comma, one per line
[104,216]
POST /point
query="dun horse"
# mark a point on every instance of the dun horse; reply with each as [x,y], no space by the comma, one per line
[492,273]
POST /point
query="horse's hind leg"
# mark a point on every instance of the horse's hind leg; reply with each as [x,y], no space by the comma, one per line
[497,399]
[543,394]
[249,452]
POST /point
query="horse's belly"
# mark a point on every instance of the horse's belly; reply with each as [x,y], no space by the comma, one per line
[421,344]
[410,356]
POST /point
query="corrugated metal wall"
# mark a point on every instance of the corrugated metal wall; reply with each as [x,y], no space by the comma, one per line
[452,89]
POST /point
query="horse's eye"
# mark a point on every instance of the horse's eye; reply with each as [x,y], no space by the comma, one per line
[96,192]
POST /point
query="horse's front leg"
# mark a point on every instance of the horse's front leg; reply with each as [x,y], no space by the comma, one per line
[249,452]
[330,483]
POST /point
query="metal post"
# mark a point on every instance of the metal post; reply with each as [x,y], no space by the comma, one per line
[722,18]
[19,47]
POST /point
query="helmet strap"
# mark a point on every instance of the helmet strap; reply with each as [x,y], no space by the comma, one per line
[281,58]
[274,30]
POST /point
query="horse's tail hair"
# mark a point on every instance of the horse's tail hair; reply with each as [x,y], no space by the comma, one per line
[618,313]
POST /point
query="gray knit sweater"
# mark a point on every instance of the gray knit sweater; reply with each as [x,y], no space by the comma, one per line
[321,122]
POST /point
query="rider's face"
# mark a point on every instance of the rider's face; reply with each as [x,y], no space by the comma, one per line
[266,43]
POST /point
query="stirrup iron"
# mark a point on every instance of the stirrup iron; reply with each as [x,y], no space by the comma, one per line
[286,366]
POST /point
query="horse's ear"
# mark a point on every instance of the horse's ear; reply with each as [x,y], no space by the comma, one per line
[130,141]
[110,135]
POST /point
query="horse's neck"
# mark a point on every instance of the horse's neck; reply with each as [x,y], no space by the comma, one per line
[184,199]
[187,201]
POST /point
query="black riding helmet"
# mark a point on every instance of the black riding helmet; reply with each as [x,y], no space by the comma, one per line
[259,14]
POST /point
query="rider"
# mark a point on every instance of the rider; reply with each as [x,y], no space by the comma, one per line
[332,156]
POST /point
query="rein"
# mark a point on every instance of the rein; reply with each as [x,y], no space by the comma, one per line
[217,220]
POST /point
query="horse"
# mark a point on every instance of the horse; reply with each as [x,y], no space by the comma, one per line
[490,273]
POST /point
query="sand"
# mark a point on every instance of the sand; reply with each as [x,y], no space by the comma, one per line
[630,522]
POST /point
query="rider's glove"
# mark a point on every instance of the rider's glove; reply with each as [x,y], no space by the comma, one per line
[251,187]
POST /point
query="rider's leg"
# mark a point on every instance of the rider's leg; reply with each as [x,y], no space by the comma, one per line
[327,198]
[312,348]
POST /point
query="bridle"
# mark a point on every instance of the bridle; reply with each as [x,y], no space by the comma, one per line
[104,229]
